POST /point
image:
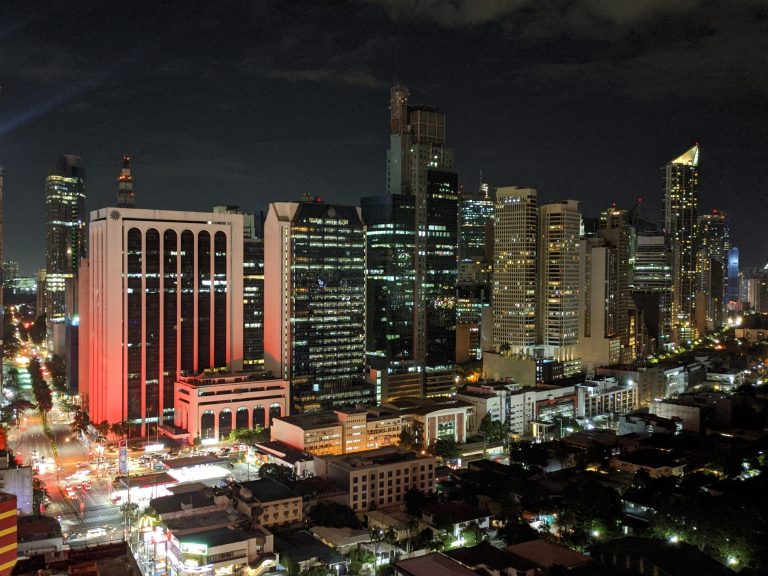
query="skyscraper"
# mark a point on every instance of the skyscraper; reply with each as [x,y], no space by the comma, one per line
[599,343]
[126,197]
[161,296]
[652,285]
[514,270]
[253,287]
[420,180]
[314,302]
[65,229]
[712,269]
[681,202]
[558,278]
[475,216]
[733,276]
[616,230]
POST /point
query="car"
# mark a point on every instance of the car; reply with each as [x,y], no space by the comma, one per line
[95,532]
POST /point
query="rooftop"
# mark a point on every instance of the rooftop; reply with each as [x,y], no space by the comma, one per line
[208,379]
[177,463]
[183,501]
[311,421]
[434,564]
[265,490]
[650,458]
[283,451]
[485,554]
[545,554]
[678,559]
[302,546]
[372,458]
[221,536]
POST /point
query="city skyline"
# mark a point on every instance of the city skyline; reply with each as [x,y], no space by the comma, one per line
[261,119]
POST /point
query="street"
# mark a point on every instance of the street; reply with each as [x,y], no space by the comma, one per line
[87,509]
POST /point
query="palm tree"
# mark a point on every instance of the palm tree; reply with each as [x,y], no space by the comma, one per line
[411,526]
[120,429]
[103,428]
[79,424]
[376,537]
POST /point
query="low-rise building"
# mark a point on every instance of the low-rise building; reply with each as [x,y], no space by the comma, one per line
[16,480]
[605,396]
[493,399]
[276,452]
[460,516]
[430,419]
[696,411]
[38,534]
[211,405]
[378,478]
[342,431]
[431,565]
[267,502]
[546,554]
[657,463]
[8,533]
[494,561]
[642,422]
[220,551]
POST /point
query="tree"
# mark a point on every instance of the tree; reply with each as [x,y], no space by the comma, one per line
[446,448]
[130,511]
[516,532]
[39,493]
[414,501]
[290,565]
[12,410]
[103,428]
[58,371]
[37,331]
[472,534]
[249,436]
[407,441]
[589,507]
[43,397]
[281,474]
[79,424]
[491,430]
[119,429]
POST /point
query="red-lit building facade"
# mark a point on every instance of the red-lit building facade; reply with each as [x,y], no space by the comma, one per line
[8,533]
[161,297]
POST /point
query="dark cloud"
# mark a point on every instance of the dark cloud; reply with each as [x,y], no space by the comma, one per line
[248,102]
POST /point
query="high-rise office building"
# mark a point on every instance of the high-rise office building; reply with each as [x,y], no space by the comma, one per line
[558,255]
[126,197]
[616,230]
[599,343]
[314,302]
[65,231]
[475,218]
[253,287]
[161,296]
[514,270]
[3,280]
[681,202]
[712,269]
[652,286]
[420,181]
[734,288]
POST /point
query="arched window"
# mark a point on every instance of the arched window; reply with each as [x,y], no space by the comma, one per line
[241,418]
[225,422]
[207,424]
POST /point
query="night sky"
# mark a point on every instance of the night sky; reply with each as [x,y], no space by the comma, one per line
[251,102]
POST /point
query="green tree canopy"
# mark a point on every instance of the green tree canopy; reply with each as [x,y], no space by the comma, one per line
[281,474]
[446,448]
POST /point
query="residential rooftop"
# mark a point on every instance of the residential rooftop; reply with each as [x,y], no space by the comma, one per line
[265,490]
[222,536]
[373,458]
[487,555]
[434,564]
[183,501]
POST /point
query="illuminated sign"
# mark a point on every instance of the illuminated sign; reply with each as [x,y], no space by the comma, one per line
[192,548]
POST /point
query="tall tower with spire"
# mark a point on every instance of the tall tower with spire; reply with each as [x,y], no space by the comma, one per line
[126,197]
[681,203]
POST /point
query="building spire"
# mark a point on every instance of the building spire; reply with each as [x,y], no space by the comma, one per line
[125,196]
